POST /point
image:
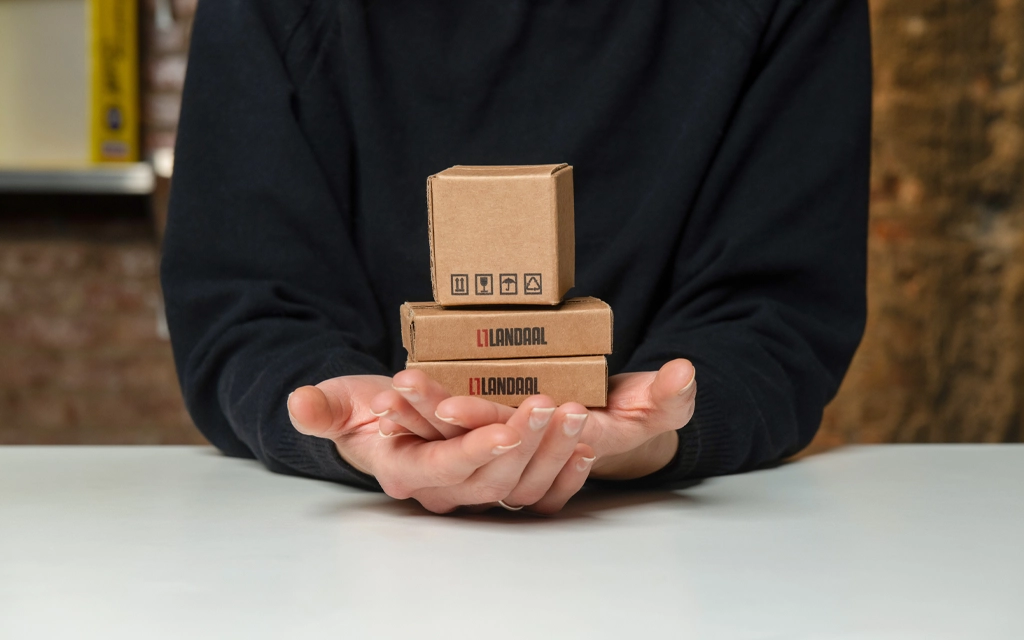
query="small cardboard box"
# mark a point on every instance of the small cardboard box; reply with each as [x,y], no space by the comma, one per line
[582,379]
[501,235]
[577,327]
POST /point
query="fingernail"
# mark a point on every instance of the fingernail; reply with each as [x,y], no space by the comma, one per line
[409,393]
[573,423]
[500,449]
[393,434]
[289,409]
[689,385]
[540,417]
[448,420]
[583,463]
[381,414]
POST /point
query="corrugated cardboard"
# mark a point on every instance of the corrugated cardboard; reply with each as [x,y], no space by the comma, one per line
[577,327]
[583,379]
[501,235]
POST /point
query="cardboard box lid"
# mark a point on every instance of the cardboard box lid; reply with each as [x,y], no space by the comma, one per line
[502,171]
[427,309]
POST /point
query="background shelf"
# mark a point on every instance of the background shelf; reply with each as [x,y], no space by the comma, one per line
[126,179]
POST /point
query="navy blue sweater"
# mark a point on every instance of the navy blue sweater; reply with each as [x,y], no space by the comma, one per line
[721,152]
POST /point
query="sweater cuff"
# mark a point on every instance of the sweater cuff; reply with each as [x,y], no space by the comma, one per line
[285,450]
[318,458]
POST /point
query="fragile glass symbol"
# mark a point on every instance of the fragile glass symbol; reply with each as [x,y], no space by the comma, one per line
[484,284]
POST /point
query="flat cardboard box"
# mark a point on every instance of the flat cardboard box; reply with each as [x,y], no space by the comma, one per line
[501,235]
[577,327]
[582,379]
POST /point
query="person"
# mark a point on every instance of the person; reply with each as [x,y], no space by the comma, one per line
[721,154]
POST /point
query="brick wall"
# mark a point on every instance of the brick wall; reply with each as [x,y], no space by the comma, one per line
[165,32]
[82,355]
[81,358]
[943,358]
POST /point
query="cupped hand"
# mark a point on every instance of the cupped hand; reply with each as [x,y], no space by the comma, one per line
[339,410]
[542,475]
[633,436]
[389,429]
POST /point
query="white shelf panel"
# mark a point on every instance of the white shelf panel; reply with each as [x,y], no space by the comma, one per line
[126,179]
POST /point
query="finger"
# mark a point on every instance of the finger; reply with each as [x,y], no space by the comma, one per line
[568,482]
[558,445]
[316,413]
[424,394]
[409,465]
[389,429]
[470,412]
[672,392]
[392,409]
[497,479]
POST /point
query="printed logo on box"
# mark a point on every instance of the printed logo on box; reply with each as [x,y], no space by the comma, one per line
[508,284]
[532,284]
[484,284]
[510,337]
[503,386]
[460,284]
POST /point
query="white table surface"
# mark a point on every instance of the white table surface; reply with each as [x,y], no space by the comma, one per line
[180,542]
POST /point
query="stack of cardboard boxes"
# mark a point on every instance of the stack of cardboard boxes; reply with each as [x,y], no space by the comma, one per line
[502,254]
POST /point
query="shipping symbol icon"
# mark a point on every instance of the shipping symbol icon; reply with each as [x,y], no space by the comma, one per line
[532,284]
[460,284]
[509,284]
[484,284]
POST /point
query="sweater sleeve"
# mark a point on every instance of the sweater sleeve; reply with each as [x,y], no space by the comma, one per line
[767,293]
[263,284]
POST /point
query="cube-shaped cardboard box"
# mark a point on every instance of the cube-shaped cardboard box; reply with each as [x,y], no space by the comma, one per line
[501,234]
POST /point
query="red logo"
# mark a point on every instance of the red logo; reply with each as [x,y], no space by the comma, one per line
[504,386]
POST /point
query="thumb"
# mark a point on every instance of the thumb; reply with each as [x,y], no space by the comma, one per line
[315,413]
[673,389]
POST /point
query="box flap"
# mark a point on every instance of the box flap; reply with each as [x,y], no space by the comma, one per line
[427,309]
[430,236]
[502,171]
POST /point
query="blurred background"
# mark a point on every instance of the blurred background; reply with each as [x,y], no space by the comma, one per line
[84,356]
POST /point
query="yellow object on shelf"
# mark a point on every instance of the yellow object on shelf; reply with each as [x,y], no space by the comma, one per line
[114,42]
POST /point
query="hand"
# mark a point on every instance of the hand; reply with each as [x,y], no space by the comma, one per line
[367,418]
[542,474]
[634,436]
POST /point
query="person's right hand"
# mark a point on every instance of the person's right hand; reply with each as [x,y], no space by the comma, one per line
[441,474]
